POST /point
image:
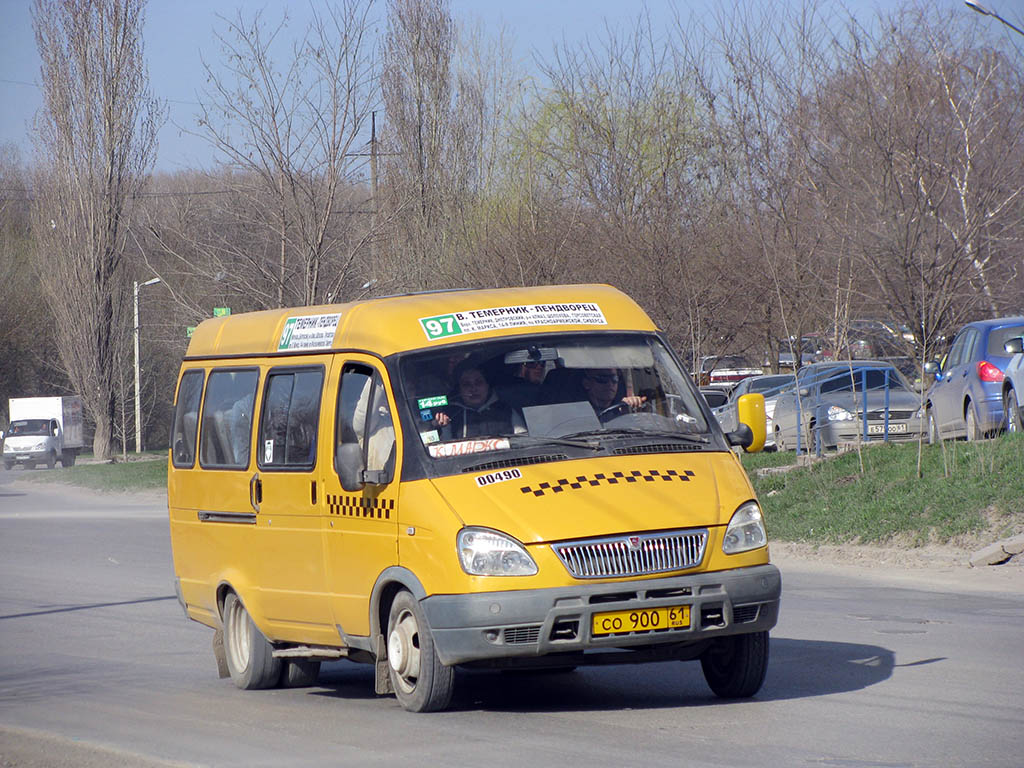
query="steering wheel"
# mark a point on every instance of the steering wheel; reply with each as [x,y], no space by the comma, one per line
[625,408]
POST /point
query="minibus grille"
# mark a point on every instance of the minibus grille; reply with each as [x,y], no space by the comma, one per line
[638,555]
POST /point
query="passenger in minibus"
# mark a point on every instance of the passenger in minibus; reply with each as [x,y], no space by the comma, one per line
[477,412]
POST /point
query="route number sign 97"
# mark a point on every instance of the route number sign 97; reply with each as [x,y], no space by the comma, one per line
[441,326]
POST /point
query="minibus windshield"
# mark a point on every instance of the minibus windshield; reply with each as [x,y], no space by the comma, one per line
[498,393]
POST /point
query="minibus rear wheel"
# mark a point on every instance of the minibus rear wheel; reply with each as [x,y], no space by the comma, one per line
[250,657]
[735,665]
[421,682]
[297,673]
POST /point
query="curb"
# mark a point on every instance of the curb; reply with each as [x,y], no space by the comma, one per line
[998,553]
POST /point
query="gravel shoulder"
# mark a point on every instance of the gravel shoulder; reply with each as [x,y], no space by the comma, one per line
[935,567]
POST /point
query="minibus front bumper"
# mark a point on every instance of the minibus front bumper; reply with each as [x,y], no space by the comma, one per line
[492,626]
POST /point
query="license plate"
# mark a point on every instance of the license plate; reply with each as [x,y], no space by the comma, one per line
[646,620]
[879,429]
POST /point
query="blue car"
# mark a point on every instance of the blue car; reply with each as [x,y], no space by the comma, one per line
[966,399]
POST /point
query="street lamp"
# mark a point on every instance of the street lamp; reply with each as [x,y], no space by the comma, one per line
[138,403]
[986,12]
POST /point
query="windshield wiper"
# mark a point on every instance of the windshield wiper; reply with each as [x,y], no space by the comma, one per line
[684,437]
[523,439]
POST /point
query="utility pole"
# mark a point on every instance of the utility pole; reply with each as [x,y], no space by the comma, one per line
[138,402]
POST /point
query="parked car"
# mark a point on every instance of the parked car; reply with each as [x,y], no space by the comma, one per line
[835,403]
[770,386]
[1013,385]
[725,371]
[715,396]
[811,346]
[966,399]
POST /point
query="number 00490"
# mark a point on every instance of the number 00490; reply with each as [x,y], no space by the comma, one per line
[646,620]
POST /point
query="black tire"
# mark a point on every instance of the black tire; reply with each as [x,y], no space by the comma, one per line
[8,465]
[934,438]
[421,682]
[971,423]
[1014,417]
[299,673]
[250,657]
[67,459]
[735,666]
[51,460]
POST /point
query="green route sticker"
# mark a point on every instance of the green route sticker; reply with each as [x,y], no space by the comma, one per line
[438,401]
[441,326]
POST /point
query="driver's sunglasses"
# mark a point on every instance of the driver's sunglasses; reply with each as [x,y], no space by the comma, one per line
[607,378]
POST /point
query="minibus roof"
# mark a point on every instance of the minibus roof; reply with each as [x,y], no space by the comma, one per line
[394,324]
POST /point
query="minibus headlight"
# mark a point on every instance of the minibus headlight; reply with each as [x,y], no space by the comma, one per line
[483,552]
[745,530]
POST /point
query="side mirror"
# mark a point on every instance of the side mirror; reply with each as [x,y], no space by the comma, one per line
[804,392]
[349,465]
[752,430]
[1014,346]
[932,367]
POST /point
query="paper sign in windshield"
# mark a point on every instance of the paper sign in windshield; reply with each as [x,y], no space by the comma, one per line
[496,318]
[464,447]
[308,332]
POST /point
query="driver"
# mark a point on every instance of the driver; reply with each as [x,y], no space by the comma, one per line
[602,388]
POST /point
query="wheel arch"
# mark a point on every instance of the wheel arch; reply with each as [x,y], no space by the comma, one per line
[390,582]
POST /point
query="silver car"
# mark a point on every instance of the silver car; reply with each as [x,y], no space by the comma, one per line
[1013,385]
[769,385]
[836,403]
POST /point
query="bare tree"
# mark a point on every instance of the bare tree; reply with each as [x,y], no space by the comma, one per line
[288,129]
[757,83]
[924,149]
[95,143]
[26,328]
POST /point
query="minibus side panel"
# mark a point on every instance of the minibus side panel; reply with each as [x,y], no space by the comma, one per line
[286,560]
[360,528]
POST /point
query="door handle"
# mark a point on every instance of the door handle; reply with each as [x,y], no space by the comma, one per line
[255,491]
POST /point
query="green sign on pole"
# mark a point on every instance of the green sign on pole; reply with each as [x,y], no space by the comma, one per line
[189,331]
[221,311]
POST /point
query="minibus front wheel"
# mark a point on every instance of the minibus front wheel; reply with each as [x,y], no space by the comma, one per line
[250,657]
[421,682]
[734,666]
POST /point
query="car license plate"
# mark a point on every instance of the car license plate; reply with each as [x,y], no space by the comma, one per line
[879,429]
[645,620]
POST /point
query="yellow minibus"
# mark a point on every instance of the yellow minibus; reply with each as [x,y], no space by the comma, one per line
[513,478]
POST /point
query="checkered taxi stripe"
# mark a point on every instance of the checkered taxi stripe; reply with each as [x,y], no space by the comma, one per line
[360,506]
[581,481]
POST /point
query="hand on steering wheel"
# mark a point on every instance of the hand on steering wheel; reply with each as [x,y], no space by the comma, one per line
[628,404]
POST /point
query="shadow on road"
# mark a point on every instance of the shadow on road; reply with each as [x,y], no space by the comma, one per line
[797,669]
[87,607]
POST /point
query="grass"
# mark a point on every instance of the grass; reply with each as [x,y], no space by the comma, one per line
[966,489]
[145,474]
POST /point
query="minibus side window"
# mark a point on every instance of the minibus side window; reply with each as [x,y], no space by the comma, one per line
[226,432]
[364,417]
[288,425]
[186,419]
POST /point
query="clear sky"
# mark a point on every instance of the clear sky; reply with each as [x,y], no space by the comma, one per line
[179,32]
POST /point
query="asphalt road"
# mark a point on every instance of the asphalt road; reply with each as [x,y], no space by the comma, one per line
[869,668]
